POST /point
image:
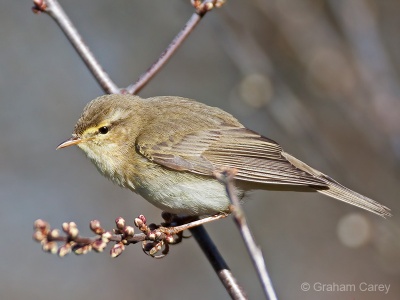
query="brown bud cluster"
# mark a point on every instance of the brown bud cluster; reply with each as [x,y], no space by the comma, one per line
[71,241]
[154,238]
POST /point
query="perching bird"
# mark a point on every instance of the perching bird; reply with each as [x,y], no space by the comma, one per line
[167,148]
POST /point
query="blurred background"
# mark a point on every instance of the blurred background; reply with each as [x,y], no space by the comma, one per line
[319,77]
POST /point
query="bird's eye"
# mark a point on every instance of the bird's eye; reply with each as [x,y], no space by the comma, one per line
[103,129]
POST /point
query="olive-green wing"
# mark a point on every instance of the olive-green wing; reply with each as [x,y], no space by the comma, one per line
[256,158]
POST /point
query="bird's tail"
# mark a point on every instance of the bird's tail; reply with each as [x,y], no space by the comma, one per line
[336,190]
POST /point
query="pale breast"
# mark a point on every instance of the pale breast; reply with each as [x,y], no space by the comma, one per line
[181,192]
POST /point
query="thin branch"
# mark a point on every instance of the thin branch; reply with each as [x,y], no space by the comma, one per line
[226,177]
[218,263]
[201,10]
[54,9]
[165,56]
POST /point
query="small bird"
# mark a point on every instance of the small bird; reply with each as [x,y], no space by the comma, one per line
[167,149]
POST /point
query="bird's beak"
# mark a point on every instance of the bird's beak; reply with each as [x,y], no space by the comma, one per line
[70,142]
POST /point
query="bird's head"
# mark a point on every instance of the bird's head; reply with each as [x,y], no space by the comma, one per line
[106,128]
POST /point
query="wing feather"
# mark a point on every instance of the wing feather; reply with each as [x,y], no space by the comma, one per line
[256,158]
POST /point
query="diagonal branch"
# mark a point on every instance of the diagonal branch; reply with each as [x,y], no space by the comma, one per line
[165,56]
[54,9]
[226,177]
[201,9]
[218,263]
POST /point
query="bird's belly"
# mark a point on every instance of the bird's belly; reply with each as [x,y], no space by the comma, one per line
[184,193]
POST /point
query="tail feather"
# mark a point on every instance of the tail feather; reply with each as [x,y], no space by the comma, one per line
[340,192]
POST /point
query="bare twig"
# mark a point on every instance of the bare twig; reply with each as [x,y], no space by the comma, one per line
[226,177]
[201,9]
[54,9]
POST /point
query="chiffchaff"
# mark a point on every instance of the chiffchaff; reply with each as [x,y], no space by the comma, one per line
[167,148]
